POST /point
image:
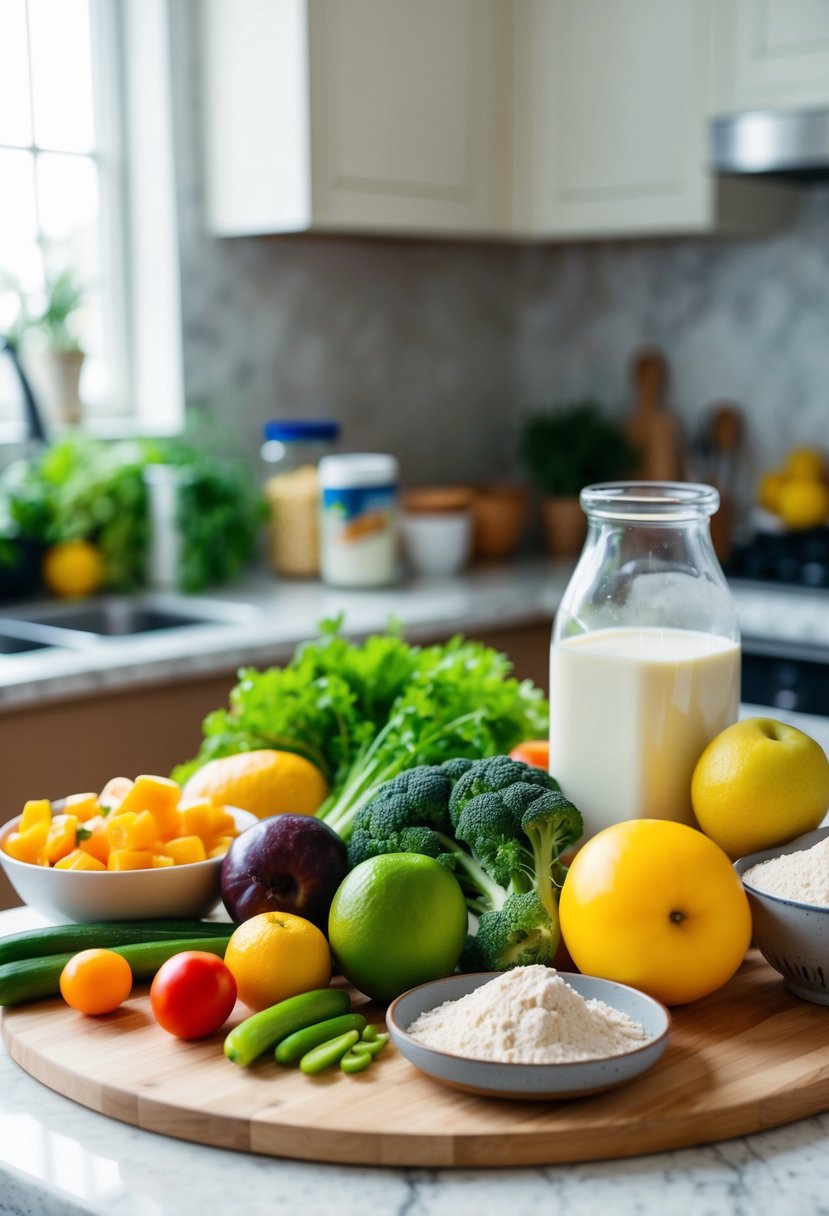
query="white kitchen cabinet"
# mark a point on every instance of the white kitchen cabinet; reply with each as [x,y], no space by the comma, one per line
[356,115]
[771,53]
[612,106]
[529,119]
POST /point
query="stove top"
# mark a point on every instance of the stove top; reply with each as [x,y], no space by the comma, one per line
[790,558]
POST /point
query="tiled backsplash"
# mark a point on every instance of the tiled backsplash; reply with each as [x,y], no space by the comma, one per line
[434,349]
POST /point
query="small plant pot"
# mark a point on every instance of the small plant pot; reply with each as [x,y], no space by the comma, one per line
[56,376]
[565,526]
[499,514]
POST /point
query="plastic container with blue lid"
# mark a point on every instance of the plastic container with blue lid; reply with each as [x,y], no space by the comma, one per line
[290,455]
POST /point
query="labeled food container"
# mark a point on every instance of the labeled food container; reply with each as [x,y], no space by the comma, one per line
[290,456]
[358,519]
[645,659]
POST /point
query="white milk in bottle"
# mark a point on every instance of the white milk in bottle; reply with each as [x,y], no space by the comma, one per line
[645,661]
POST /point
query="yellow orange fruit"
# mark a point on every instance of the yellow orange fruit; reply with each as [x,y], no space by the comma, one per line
[276,955]
[803,503]
[265,782]
[657,905]
[805,463]
[770,486]
[73,568]
[759,784]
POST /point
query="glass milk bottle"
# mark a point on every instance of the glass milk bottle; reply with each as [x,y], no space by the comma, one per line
[645,658]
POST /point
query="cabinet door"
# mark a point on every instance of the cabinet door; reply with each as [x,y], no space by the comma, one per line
[410,114]
[610,121]
[772,53]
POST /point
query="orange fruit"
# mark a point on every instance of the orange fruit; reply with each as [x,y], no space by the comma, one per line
[396,921]
[758,784]
[803,503]
[770,486]
[276,955]
[73,568]
[657,905]
[265,782]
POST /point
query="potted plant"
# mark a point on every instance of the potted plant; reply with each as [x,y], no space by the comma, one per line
[46,334]
[564,449]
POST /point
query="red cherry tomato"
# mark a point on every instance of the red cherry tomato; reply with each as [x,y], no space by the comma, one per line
[192,994]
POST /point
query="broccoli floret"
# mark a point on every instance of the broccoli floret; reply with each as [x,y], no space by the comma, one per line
[492,775]
[520,934]
[501,826]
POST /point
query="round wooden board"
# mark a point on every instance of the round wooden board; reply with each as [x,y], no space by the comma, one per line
[750,1057]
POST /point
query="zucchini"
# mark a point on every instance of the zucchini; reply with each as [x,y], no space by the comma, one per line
[57,939]
[29,979]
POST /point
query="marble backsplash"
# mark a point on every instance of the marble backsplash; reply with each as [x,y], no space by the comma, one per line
[434,350]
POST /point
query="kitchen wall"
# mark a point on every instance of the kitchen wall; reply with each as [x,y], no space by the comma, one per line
[434,349]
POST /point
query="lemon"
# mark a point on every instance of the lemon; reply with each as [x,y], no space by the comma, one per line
[265,782]
[396,921]
[759,784]
[803,503]
[770,486]
[276,955]
[805,463]
[73,568]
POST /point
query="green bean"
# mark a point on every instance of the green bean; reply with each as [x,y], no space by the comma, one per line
[354,1061]
[370,1048]
[264,1029]
[302,1041]
[328,1054]
[370,1034]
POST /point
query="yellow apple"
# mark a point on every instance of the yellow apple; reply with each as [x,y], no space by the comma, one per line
[758,784]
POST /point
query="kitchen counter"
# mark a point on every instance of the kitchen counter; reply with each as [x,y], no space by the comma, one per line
[266,618]
[57,1158]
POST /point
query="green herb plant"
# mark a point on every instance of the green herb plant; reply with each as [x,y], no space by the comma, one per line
[570,446]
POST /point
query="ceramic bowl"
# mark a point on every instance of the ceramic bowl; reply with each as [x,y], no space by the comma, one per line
[529,1081]
[793,937]
[437,542]
[72,896]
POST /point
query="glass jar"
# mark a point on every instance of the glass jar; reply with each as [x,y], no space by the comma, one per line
[290,456]
[645,657]
[359,519]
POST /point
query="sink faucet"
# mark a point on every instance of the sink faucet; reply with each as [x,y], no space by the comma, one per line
[35,429]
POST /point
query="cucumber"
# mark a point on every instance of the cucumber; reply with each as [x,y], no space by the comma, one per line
[58,939]
[29,979]
[265,1029]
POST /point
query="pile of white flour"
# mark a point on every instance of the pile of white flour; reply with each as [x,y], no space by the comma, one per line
[802,876]
[528,1016]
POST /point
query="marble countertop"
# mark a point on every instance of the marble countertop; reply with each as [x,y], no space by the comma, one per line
[59,1159]
[264,618]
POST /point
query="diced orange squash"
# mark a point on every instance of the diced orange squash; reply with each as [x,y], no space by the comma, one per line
[26,845]
[96,844]
[130,831]
[36,810]
[185,849]
[130,859]
[196,819]
[161,860]
[159,795]
[114,793]
[62,837]
[220,846]
[223,822]
[82,806]
[117,829]
[78,860]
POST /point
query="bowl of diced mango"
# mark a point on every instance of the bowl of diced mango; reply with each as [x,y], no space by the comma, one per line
[136,850]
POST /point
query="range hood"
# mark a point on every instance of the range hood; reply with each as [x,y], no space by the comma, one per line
[790,145]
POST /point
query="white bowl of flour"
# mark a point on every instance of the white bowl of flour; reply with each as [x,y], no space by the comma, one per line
[788,890]
[529,1033]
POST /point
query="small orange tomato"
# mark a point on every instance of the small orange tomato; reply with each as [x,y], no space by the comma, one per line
[96,981]
[533,751]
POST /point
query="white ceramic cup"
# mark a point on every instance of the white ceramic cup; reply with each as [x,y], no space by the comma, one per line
[436,542]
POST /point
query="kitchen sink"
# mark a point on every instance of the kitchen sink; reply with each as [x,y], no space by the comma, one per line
[79,626]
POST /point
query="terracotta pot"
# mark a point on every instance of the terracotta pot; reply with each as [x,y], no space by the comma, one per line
[499,513]
[565,525]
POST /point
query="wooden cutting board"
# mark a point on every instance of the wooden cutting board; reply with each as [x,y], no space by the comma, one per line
[747,1058]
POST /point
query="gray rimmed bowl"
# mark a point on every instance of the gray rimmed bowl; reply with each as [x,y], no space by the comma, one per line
[792,937]
[529,1081]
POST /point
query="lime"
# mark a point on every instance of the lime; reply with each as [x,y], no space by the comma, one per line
[396,921]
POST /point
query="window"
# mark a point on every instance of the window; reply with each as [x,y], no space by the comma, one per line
[87,182]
